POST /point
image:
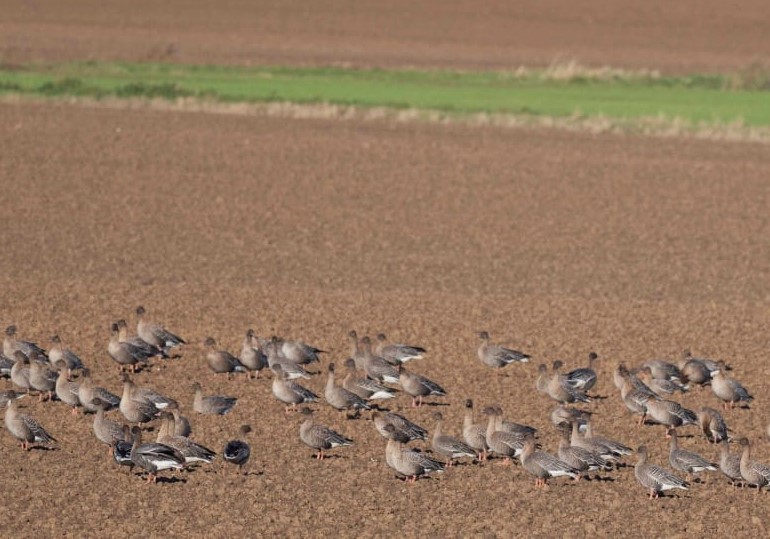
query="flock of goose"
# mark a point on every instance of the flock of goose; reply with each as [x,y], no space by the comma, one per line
[375,373]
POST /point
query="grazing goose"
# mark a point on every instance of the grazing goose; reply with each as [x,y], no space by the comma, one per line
[418,386]
[474,434]
[544,465]
[496,356]
[448,446]
[670,413]
[376,367]
[728,390]
[566,415]
[212,404]
[401,424]
[654,478]
[397,353]
[87,392]
[161,402]
[42,378]
[290,368]
[585,377]
[107,431]
[121,449]
[252,358]
[299,352]
[407,462]
[155,334]
[594,445]
[154,457]
[559,389]
[67,391]
[730,463]
[320,437]
[616,448]
[661,387]
[636,398]
[579,458]
[238,451]
[364,387]
[695,370]
[515,428]
[663,370]
[712,424]
[752,472]
[288,391]
[193,452]
[9,394]
[135,411]
[135,340]
[221,361]
[126,355]
[340,398]
[58,353]
[686,461]
[11,344]
[506,444]
[20,371]
[24,427]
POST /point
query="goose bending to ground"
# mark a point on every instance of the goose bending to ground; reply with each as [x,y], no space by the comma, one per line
[376,367]
[238,451]
[663,370]
[730,463]
[146,394]
[155,334]
[24,428]
[288,391]
[87,392]
[41,377]
[299,352]
[661,387]
[596,446]
[654,478]
[407,462]
[221,361]
[618,449]
[729,390]
[125,354]
[320,437]
[67,391]
[340,398]
[670,413]
[418,386]
[59,353]
[474,434]
[192,451]
[395,353]
[544,465]
[712,424]
[11,344]
[752,472]
[410,430]
[252,358]
[154,457]
[135,340]
[496,356]
[211,404]
[364,387]
[447,446]
[584,378]
[696,370]
[686,461]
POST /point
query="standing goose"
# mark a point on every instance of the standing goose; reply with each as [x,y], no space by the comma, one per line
[728,390]
[594,445]
[107,431]
[59,353]
[126,355]
[20,371]
[146,394]
[87,392]
[654,478]
[544,465]
[135,340]
[238,451]
[340,398]
[585,377]
[154,457]
[636,398]
[252,358]
[695,370]
[288,391]
[566,415]
[618,449]
[299,352]
[192,451]
[181,423]
[364,387]
[397,353]
[356,350]
[24,427]
[11,344]
[753,473]
[121,449]
[670,413]
[221,361]
[407,462]
[474,434]
[448,446]
[212,404]
[67,391]
[155,334]
[579,458]
[400,424]
[661,387]
[41,378]
[712,424]
[506,444]
[730,463]
[663,370]
[135,411]
[496,356]
[418,386]
[686,461]
[559,389]
[290,368]
[376,367]
[320,437]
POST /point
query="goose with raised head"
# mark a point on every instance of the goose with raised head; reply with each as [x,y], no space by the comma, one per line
[41,377]
[11,344]
[107,431]
[543,465]
[579,458]
[559,389]
[20,371]
[135,411]
[290,368]
[375,366]
[252,358]
[87,392]
[154,457]
[584,378]
[156,334]
[729,390]
[447,446]
[288,391]
[192,451]
[135,340]
[408,463]
[221,361]
[753,473]
[24,428]
[59,353]
[686,461]
[474,434]
[340,398]
[395,353]
[320,437]
[654,478]
[496,356]
[364,387]
[730,464]
[67,391]
[125,354]
[505,444]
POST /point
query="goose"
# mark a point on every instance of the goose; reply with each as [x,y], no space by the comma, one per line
[299,352]
[663,370]
[59,353]
[752,472]
[212,404]
[544,465]
[559,389]
[155,334]
[146,394]
[410,430]
[288,391]
[238,451]
[67,391]
[695,370]
[515,428]
[728,390]
[7,395]
[594,445]
[670,413]
[506,444]
[192,451]
[20,371]
[730,463]
[636,398]
[686,461]
[418,386]
[566,415]
[135,411]
[181,423]
[154,457]
[376,367]
[126,355]
[654,478]
[395,353]
[356,350]
[107,431]
[320,437]
[121,449]
[496,356]
[42,378]
[135,340]
[292,370]
[474,434]
[618,449]
[11,344]
[87,392]
[579,458]
[447,446]
[712,424]
[252,358]
[6,364]
[407,462]
[221,361]
[585,377]
[366,388]
[340,398]
[24,427]
[661,387]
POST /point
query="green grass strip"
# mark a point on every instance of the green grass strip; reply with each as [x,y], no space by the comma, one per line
[699,99]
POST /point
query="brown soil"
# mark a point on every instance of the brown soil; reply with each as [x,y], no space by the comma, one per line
[689,35]
[557,243]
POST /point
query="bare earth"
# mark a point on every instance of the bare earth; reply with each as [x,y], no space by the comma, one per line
[556,243]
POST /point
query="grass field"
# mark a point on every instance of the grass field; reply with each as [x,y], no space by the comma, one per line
[710,100]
